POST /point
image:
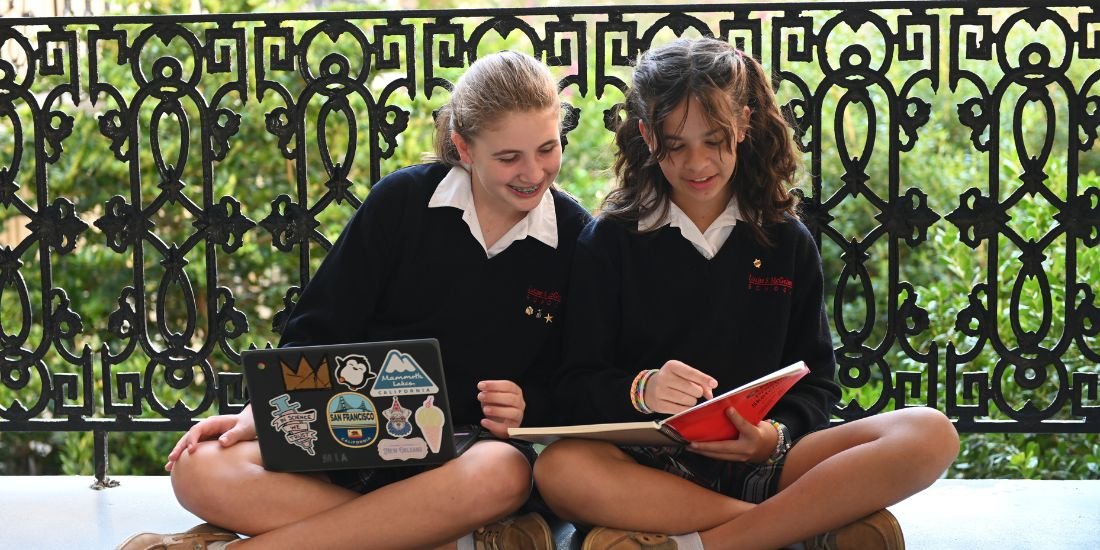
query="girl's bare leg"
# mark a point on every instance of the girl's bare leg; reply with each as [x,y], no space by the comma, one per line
[229,487]
[838,475]
[830,478]
[594,482]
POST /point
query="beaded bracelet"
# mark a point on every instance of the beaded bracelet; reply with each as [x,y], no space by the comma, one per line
[782,442]
[637,391]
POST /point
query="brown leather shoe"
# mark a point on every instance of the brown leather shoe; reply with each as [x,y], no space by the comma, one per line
[878,531]
[605,538]
[529,532]
[199,537]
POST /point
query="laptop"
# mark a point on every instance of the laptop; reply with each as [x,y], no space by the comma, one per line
[343,406]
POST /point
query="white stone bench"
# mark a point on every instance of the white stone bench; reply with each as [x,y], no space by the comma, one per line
[63,512]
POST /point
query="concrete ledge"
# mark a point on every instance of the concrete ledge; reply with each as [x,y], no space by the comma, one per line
[62,512]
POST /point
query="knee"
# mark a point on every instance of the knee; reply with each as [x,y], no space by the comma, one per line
[565,465]
[934,434]
[195,476]
[556,460]
[498,481]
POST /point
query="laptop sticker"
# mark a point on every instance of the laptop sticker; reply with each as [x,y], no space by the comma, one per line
[353,371]
[398,425]
[306,377]
[352,419]
[401,375]
[429,419]
[402,448]
[294,424]
[397,420]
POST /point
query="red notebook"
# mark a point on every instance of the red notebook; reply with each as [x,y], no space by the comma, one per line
[706,421]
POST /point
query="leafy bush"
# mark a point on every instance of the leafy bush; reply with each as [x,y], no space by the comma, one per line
[943,270]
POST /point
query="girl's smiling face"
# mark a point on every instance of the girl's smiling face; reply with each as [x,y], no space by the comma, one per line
[513,161]
[699,163]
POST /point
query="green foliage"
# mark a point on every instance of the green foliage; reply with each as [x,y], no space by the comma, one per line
[943,270]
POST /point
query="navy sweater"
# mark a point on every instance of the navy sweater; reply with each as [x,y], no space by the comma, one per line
[402,270]
[638,300]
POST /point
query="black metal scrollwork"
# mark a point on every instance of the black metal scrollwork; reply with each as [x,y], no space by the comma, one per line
[169,97]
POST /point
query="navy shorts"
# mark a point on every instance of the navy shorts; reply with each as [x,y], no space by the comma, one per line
[745,481]
[366,480]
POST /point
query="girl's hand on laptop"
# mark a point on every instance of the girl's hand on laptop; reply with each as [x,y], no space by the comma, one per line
[227,428]
[502,404]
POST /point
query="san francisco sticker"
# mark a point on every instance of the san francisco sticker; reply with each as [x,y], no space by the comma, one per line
[352,419]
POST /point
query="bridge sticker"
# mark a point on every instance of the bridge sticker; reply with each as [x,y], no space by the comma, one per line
[352,419]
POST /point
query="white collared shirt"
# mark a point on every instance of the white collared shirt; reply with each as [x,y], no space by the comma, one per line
[709,242]
[541,222]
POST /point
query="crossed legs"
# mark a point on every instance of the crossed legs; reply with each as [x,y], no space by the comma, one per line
[229,487]
[831,478]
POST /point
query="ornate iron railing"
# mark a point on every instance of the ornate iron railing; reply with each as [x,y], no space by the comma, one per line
[168,183]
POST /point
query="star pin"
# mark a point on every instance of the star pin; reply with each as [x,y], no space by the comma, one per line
[549,318]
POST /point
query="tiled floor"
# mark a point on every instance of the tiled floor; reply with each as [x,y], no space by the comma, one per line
[64,513]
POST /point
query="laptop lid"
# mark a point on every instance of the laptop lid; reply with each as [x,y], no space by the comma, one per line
[365,405]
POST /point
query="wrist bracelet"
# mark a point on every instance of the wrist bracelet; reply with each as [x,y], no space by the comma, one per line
[782,442]
[637,391]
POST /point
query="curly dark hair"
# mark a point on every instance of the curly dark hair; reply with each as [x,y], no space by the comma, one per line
[724,80]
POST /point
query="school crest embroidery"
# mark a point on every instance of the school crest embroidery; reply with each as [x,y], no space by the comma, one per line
[542,304]
[770,283]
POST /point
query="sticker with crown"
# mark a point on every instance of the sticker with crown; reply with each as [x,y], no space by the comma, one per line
[306,376]
[401,375]
[352,419]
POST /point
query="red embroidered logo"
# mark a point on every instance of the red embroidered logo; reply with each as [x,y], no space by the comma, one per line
[542,304]
[770,284]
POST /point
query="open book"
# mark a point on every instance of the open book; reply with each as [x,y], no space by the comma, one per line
[706,421]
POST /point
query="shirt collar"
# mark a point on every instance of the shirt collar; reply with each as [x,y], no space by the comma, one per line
[541,222]
[678,218]
[707,242]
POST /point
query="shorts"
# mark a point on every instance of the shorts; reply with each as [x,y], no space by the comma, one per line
[366,480]
[745,481]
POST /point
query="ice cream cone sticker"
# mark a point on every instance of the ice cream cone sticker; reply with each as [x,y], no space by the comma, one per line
[429,419]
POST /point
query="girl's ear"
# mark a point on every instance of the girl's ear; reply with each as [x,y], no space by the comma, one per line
[746,115]
[462,147]
[645,135]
